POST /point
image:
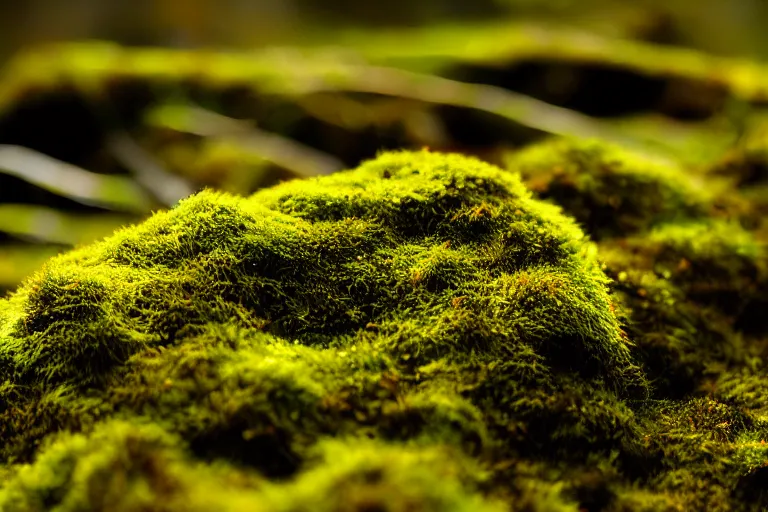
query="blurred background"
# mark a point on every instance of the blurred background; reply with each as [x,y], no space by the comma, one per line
[110,110]
[734,27]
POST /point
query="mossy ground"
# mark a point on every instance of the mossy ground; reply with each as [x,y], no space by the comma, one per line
[420,333]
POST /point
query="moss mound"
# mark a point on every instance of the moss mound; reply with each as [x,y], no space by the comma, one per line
[420,333]
[687,258]
[611,191]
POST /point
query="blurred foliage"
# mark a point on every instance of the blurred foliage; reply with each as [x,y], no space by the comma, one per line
[96,135]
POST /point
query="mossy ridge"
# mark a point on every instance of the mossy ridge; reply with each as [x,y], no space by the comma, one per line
[692,291]
[714,262]
[611,191]
[686,265]
[129,466]
[445,355]
[712,440]
[745,388]
[254,328]
[687,282]
[747,168]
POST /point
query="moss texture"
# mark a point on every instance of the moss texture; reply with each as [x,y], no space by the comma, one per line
[420,333]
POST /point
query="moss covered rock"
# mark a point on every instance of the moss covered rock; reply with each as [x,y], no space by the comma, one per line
[420,333]
[390,302]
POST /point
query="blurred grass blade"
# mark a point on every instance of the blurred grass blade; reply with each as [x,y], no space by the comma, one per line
[435,48]
[290,155]
[107,191]
[149,173]
[45,224]
[516,107]
[693,143]
[300,72]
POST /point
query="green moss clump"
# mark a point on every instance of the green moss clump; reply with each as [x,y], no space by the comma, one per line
[611,191]
[417,333]
[747,168]
[713,262]
[394,302]
[125,466]
[691,291]
[366,475]
[120,466]
[686,251]
[689,265]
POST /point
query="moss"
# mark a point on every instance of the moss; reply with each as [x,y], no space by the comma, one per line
[711,261]
[369,476]
[254,328]
[688,271]
[119,467]
[746,167]
[417,333]
[711,440]
[694,289]
[687,262]
[124,466]
[611,191]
